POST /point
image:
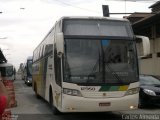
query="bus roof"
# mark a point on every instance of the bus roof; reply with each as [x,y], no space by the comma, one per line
[5,64]
[93,17]
[29,58]
[82,17]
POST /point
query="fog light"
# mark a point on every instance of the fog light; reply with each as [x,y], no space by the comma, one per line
[71,109]
[132,107]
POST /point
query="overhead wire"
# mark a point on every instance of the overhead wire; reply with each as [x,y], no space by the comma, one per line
[68,4]
[135,0]
[125,2]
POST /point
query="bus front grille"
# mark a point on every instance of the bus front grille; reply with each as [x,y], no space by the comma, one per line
[115,94]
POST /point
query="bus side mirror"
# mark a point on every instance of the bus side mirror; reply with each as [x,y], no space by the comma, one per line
[60,44]
[144,45]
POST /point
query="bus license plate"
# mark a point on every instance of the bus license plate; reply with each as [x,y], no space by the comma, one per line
[104,104]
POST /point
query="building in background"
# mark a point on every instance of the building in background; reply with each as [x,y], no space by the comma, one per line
[149,25]
[138,16]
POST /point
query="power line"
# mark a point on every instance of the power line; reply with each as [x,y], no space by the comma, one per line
[125,2]
[135,0]
[68,4]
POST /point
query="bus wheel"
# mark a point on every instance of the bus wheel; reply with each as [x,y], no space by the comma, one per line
[140,104]
[35,89]
[54,109]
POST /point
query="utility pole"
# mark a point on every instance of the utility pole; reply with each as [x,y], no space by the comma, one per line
[105,9]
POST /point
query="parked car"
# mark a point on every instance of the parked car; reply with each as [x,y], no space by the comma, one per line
[149,90]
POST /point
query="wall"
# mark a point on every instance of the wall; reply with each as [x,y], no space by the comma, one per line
[151,65]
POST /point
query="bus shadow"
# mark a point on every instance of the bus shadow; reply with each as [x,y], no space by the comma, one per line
[71,116]
[83,115]
[91,116]
[150,107]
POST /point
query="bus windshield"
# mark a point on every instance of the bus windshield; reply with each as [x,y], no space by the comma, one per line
[100,61]
[6,71]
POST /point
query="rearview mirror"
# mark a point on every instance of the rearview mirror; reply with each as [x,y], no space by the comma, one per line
[144,45]
[60,43]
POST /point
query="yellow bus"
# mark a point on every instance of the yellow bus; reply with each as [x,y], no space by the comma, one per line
[88,64]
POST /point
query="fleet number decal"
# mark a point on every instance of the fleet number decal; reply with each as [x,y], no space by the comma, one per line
[88,88]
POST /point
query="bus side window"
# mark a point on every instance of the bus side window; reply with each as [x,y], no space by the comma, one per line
[57,67]
[42,51]
[48,49]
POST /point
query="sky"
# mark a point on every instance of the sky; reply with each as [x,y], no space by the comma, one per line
[24,23]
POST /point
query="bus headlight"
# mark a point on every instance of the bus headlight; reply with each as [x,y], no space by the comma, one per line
[132,91]
[72,92]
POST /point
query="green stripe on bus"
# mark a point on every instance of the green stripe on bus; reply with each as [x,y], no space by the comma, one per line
[105,88]
[114,88]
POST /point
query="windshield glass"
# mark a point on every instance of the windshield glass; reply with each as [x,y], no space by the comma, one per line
[100,61]
[6,71]
[29,66]
[149,80]
[9,71]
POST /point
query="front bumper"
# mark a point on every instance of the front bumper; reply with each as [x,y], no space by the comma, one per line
[81,104]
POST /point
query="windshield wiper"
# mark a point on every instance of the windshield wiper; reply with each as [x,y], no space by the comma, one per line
[108,66]
[113,72]
[98,62]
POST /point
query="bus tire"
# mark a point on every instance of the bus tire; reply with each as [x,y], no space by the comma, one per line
[35,89]
[140,104]
[54,109]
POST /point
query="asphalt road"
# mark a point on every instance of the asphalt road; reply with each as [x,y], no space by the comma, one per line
[31,108]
